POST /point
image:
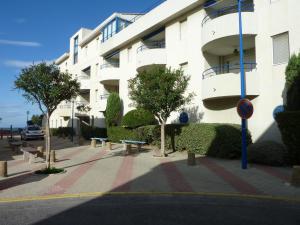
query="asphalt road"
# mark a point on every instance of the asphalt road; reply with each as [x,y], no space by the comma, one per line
[144,210]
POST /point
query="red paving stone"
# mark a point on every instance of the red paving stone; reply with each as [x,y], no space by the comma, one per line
[69,180]
[273,172]
[124,175]
[236,182]
[176,180]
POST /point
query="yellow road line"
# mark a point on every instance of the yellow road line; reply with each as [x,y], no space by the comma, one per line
[101,194]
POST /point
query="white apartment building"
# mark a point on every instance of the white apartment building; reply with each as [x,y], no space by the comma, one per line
[204,42]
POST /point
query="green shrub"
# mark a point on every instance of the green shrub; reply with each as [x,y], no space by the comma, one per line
[215,140]
[292,76]
[151,134]
[62,131]
[268,153]
[89,132]
[113,110]
[137,118]
[289,125]
[115,134]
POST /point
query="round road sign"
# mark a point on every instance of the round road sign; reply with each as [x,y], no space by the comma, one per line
[245,108]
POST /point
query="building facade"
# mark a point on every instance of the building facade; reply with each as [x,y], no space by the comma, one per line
[204,42]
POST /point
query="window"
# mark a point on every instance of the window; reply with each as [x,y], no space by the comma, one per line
[75,59]
[281,48]
[97,69]
[182,30]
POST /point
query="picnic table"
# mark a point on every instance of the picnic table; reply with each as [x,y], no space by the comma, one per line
[128,143]
[102,140]
[30,154]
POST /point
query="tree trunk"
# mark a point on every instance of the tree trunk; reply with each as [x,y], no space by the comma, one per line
[162,138]
[48,142]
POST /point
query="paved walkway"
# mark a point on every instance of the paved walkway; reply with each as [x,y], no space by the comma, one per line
[97,170]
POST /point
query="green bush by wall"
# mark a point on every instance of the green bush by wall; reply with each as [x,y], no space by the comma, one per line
[89,132]
[115,134]
[289,125]
[62,131]
[268,153]
[216,140]
[137,118]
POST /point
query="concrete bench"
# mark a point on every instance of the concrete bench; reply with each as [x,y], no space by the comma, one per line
[127,144]
[94,141]
[30,154]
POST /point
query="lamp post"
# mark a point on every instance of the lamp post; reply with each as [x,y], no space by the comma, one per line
[72,122]
[243,87]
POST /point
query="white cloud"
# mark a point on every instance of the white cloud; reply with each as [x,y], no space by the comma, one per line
[20,20]
[20,43]
[21,64]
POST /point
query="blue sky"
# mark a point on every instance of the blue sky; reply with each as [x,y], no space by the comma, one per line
[35,30]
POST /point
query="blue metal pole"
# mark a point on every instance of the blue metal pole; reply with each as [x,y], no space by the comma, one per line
[243,88]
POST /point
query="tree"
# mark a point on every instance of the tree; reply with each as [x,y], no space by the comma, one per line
[46,86]
[113,110]
[292,76]
[37,119]
[161,91]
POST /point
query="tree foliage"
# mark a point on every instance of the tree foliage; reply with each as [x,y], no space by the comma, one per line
[45,85]
[161,91]
[293,83]
[37,120]
[113,110]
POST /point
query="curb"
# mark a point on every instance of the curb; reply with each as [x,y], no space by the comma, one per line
[150,194]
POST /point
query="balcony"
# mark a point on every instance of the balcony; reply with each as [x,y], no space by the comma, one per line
[224,81]
[150,54]
[82,108]
[65,109]
[85,82]
[110,73]
[220,27]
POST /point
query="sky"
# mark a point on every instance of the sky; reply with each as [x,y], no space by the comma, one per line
[39,30]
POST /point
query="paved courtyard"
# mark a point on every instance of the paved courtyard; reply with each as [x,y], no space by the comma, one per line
[98,170]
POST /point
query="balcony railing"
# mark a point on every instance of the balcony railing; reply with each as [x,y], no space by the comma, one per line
[109,65]
[83,77]
[152,45]
[246,7]
[227,68]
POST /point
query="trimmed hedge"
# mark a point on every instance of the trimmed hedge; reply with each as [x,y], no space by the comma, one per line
[268,153]
[88,132]
[289,125]
[115,134]
[137,118]
[215,140]
[62,131]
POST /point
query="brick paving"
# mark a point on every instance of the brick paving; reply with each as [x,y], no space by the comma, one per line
[99,170]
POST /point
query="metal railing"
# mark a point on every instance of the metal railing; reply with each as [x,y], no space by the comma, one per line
[246,7]
[151,45]
[109,65]
[227,68]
